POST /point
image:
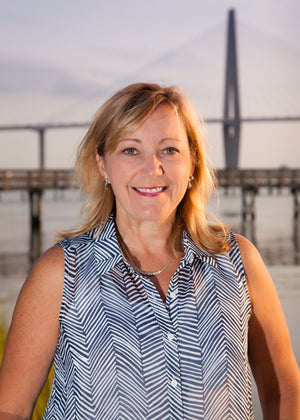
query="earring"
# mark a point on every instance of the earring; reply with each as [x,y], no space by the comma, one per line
[106,183]
[190,180]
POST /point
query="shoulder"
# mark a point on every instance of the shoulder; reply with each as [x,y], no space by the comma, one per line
[47,276]
[52,261]
[251,258]
[260,284]
[261,288]
[244,244]
[256,273]
[44,284]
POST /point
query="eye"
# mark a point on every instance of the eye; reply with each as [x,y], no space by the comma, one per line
[170,150]
[130,151]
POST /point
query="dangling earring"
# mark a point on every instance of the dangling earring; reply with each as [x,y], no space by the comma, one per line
[190,180]
[106,183]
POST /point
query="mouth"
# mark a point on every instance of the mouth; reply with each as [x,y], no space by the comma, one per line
[150,191]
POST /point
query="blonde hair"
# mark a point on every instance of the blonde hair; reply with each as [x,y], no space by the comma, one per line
[122,114]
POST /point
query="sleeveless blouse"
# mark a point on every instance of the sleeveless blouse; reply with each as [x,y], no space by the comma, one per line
[123,353]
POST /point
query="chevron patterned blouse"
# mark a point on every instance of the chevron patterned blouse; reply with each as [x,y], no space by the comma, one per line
[124,354]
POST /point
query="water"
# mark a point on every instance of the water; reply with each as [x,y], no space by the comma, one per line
[274,232]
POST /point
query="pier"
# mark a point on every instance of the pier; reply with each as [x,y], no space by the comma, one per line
[251,181]
[248,181]
[35,182]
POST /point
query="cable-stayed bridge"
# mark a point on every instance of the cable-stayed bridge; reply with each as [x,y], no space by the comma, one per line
[250,93]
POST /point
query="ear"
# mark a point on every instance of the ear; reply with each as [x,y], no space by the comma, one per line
[101,164]
[192,169]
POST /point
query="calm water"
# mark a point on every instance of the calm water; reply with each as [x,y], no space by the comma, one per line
[274,233]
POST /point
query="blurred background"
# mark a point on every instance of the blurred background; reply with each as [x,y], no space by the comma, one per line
[60,60]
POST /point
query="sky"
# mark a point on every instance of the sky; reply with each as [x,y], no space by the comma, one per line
[61,59]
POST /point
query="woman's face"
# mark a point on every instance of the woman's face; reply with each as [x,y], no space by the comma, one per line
[149,169]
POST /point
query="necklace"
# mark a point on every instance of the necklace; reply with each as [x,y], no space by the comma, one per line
[127,257]
[148,273]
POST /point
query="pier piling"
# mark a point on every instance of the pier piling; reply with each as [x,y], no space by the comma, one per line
[35,200]
[296,194]
[248,202]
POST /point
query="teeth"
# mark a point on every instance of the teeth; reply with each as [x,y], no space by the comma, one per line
[150,190]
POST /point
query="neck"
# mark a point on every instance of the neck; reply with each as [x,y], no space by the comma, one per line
[148,236]
[147,248]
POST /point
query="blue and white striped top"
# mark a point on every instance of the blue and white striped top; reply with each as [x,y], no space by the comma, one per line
[124,354]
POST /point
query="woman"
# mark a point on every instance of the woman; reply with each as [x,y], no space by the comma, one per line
[148,310]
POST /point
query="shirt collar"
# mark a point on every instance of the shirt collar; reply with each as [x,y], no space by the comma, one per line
[192,251]
[107,248]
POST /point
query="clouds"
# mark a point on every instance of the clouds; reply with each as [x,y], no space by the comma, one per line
[33,77]
[60,60]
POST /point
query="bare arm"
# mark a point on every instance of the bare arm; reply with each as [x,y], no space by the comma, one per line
[270,353]
[32,337]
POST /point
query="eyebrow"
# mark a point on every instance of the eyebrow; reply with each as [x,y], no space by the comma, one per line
[129,139]
[137,140]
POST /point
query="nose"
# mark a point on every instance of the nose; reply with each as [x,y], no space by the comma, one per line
[153,165]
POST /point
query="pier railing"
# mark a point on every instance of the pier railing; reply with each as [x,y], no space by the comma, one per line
[259,178]
[42,179]
[36,179]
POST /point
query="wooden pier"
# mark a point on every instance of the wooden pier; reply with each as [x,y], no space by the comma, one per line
[248,181]
[35,182]
[36,179]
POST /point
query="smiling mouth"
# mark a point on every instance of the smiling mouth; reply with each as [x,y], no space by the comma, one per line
[150,190]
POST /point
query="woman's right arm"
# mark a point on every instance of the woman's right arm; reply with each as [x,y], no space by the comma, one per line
[32,337]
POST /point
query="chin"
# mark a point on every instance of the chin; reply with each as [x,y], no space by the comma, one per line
[156,215]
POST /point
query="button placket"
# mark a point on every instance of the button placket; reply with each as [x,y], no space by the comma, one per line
[166,315]
[173,370]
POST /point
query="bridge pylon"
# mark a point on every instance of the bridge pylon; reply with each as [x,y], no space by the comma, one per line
[232,123]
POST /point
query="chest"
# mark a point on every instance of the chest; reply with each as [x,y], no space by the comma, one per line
[200,303]
[117,332]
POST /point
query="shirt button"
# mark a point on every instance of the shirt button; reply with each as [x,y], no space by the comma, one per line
[170,336]
[173,294]
[174,383]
